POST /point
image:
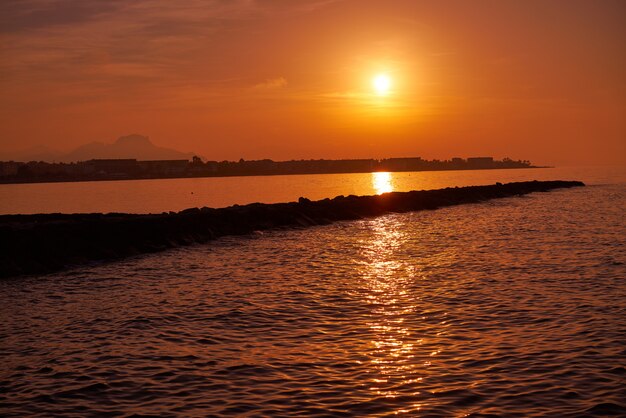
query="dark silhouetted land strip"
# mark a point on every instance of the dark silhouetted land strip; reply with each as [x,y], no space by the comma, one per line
[37,244]
[132,169]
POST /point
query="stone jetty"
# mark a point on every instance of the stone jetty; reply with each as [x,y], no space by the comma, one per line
[45,243]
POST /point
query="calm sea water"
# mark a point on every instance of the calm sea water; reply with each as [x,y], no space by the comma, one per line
[156,196]
[512,308]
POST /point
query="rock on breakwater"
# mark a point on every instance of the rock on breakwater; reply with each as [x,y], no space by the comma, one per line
[39,244]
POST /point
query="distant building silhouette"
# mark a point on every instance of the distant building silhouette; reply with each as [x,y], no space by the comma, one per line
[129,168]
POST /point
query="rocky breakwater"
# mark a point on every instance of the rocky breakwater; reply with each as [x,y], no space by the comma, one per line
[39,244]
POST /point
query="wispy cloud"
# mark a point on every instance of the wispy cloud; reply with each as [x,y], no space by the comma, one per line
[27,15]
[141,46]
[272,84]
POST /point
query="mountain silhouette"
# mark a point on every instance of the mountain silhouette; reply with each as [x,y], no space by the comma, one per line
[130,146]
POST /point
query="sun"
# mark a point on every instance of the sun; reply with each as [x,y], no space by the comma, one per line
[381,84]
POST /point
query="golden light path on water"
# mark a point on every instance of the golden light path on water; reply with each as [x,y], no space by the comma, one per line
[381,182]
[397,357]
[385,282]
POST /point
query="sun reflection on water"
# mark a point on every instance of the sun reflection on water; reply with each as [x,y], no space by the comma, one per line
[381,182]
[386,289]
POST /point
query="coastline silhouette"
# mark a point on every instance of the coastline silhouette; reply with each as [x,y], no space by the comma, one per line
[133,169]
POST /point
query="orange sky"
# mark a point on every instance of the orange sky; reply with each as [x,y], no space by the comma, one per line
[282,79]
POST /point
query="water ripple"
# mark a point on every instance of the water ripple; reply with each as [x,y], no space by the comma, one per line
[508,308]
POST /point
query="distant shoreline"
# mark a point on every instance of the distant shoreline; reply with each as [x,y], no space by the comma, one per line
[103,176]
[45,243]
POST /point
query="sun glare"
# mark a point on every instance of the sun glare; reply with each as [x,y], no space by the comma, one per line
[381,182]
[381,84]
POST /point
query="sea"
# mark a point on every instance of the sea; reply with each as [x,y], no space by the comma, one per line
[513,307]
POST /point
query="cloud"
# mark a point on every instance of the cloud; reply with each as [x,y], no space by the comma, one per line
[271,84]
[144,50]
[25,15]
[289,6]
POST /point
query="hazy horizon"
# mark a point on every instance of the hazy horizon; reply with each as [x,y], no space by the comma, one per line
[61,155]
[143,148]
[540,81]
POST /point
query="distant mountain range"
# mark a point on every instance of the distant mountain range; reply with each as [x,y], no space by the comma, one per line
[130,146]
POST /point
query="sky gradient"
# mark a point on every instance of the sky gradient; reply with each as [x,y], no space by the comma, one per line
[280,79]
